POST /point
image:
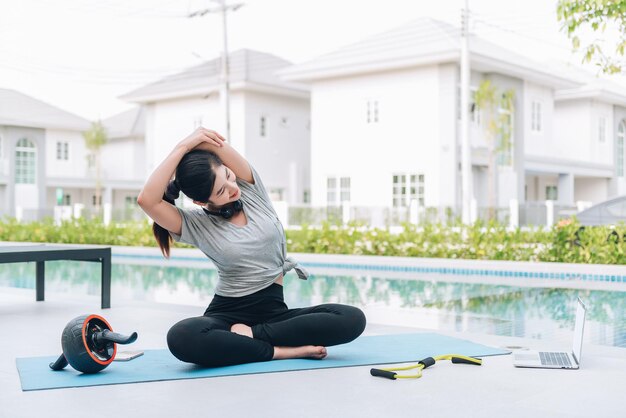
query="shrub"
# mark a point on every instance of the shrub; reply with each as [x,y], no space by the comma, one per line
[566,242]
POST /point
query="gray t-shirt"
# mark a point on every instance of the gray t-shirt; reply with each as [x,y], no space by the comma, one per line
[248,258]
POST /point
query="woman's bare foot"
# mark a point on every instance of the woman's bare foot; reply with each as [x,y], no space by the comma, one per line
[305,351]
[241,329]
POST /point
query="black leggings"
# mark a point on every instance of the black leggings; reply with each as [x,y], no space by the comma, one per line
[207,340]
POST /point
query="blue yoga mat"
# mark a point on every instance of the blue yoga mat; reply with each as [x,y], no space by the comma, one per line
[156,365]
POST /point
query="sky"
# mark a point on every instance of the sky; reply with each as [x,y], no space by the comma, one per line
[81,55]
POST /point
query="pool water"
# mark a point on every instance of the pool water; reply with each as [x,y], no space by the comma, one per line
[424,301]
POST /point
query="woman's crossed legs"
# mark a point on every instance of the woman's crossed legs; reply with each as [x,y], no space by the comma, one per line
[221,340]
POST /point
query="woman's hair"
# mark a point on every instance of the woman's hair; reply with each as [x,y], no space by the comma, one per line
[195,177]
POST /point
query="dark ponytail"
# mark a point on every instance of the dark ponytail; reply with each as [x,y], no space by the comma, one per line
[162,235]
[195,177]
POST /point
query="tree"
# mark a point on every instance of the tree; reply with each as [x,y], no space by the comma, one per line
[497,120]
[580,16]
[95,138]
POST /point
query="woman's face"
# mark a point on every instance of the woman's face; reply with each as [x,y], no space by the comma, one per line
[225,189]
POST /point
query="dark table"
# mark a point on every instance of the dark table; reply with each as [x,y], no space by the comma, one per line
[42,253]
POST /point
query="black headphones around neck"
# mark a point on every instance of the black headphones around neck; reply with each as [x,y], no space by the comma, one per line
[227,211]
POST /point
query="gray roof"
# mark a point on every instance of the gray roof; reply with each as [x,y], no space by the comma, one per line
[420,42]
[128,124]
[245,65]
[591,85]
[18,109]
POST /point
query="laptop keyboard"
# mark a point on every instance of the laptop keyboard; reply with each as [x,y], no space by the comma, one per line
[554,359]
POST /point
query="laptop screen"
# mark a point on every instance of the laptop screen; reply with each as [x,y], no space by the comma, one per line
[578,330]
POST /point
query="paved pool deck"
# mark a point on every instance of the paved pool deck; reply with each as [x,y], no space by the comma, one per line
[497,389]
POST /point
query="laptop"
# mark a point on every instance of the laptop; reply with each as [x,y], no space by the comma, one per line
[556,360]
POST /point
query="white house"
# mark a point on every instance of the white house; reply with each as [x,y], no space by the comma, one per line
[269,117]
[385,125]
[124,162]
[588,143]
[41,154]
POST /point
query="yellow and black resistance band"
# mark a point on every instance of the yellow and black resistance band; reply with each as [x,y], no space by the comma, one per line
[427,362]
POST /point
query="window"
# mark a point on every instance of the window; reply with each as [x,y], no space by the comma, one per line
[535,117]
[263,126]
[1,145]
[399,190]
[344,194]
[197,122]
[63,199]
[408,187]
[337,190]
[372,111]
[93,200]
[551,193]
[130,201]
[306,196]
[619,150]
[25,162]
[331,191]
[602,129]
[63,151]
[416,188]
[91,160]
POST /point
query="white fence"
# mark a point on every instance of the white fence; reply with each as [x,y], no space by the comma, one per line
[527,214]
[61,213]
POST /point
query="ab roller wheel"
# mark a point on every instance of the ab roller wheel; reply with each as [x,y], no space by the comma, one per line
[89,344]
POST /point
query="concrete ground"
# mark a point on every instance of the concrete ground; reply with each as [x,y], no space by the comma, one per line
[497,389]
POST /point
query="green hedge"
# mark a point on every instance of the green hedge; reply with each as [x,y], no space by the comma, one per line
[565,242]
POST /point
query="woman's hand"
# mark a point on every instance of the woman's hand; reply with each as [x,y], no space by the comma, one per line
[202,138]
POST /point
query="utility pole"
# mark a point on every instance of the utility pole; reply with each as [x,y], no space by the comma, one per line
[466,159]
[223,9]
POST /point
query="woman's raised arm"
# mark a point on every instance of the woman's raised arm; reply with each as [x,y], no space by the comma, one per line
[229,156]
[151,197]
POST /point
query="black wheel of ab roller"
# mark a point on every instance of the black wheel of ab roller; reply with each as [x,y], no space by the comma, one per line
[89,344]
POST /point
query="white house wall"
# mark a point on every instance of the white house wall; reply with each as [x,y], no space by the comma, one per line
[593,190]
[76,164]
[169,122]
[544,142]
[617,185]
[405,140]
[4,209]
[447,179]
[601,152]
[577,135]
[282,155]
[572,138]
[119,198]
[28,197]
[4,155]
[124,160]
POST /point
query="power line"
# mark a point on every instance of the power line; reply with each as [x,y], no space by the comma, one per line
[541,40]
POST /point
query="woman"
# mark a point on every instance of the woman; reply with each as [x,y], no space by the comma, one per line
[236,226]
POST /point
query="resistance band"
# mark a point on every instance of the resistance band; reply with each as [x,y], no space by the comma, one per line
[427,362]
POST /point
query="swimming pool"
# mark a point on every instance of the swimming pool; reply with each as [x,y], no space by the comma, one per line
[422,300]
